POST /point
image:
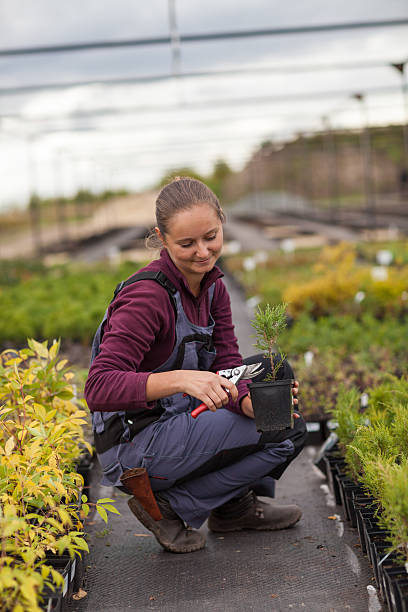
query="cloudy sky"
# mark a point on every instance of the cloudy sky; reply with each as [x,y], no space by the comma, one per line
[102,135]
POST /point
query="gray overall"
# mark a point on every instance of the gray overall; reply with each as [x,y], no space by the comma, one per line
[199,463]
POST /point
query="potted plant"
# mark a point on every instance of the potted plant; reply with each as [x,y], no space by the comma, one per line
[272,399]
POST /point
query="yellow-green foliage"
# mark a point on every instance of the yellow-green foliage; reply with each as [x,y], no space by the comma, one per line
[347,414]
[370,442]
[337,281]
[271,276]
[394,498]
[364,435]
[376,452]
[41,436]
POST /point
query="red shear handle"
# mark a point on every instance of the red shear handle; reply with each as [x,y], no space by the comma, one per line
[201,408]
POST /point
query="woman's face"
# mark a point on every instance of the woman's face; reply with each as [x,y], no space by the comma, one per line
[194,240]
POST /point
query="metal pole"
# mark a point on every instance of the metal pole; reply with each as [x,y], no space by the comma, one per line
[34,203]
[174,39]
[332,176]
[60,202]
[404,90]
[365,143]
[304,167]
[403,178]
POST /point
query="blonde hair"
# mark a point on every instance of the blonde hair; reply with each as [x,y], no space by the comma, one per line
[182,193]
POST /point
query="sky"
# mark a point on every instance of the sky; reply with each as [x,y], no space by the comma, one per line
[103,136]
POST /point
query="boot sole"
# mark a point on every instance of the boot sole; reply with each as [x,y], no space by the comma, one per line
[154,526]
[260,528]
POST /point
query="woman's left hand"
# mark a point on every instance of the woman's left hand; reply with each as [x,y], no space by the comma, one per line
[295,391]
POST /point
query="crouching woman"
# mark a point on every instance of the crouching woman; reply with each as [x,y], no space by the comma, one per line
[166,334]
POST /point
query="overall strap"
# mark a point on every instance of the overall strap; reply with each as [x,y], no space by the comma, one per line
[211,293]
[158,276]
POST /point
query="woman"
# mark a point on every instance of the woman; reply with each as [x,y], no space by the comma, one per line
[164,340]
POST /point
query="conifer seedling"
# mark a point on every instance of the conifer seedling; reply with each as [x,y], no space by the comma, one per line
[268,324]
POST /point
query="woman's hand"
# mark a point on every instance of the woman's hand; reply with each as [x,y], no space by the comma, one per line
[213,390]
[295,391]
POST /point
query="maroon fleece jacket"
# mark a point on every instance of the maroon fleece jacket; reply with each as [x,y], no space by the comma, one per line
[140,334]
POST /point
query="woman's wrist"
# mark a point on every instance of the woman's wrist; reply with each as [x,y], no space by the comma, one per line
[246,407]
[162,384]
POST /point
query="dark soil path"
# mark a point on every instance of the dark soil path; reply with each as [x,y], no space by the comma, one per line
[317,566]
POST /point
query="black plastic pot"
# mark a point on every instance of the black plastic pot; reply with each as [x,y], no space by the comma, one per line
[369,526]
[339,478]
[55,600]
[328,447]
[80,564]
[379,550]
[314,433]
[84,467]
[390,576]
[366,513]
[332,461]
[328,428]
[317,436]
[272,401]
[348,488]
[402,590]
[52,600]
[377,545]
[365,520]
[362,501]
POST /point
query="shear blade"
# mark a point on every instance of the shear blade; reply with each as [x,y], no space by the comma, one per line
[253,370]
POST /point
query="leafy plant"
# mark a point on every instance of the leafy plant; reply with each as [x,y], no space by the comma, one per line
[369,443]
[394,501]
[41,505]
[347,414]
[58,302]
[268,324]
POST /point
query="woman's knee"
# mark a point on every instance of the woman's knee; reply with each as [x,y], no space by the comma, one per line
[297,434]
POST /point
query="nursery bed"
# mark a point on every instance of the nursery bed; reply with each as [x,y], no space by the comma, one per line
[310,567]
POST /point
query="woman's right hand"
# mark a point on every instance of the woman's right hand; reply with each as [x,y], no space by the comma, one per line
[210,388]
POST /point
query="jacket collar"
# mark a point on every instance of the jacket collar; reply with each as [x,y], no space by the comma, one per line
[178,278]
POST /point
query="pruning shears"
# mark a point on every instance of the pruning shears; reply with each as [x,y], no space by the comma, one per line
[234,375]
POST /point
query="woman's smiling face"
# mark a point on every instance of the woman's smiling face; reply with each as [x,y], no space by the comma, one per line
[194,240]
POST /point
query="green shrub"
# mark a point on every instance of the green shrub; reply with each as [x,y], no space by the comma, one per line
[61,302]
[41,437]
[394,502]
[374,443]
[370,442]
[348,415]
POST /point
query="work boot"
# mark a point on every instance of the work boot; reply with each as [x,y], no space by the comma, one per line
[170,531]
[249,512]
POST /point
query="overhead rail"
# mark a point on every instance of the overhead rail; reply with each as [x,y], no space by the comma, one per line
[153,78]
[222,102]
[186,120]
[204,37]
